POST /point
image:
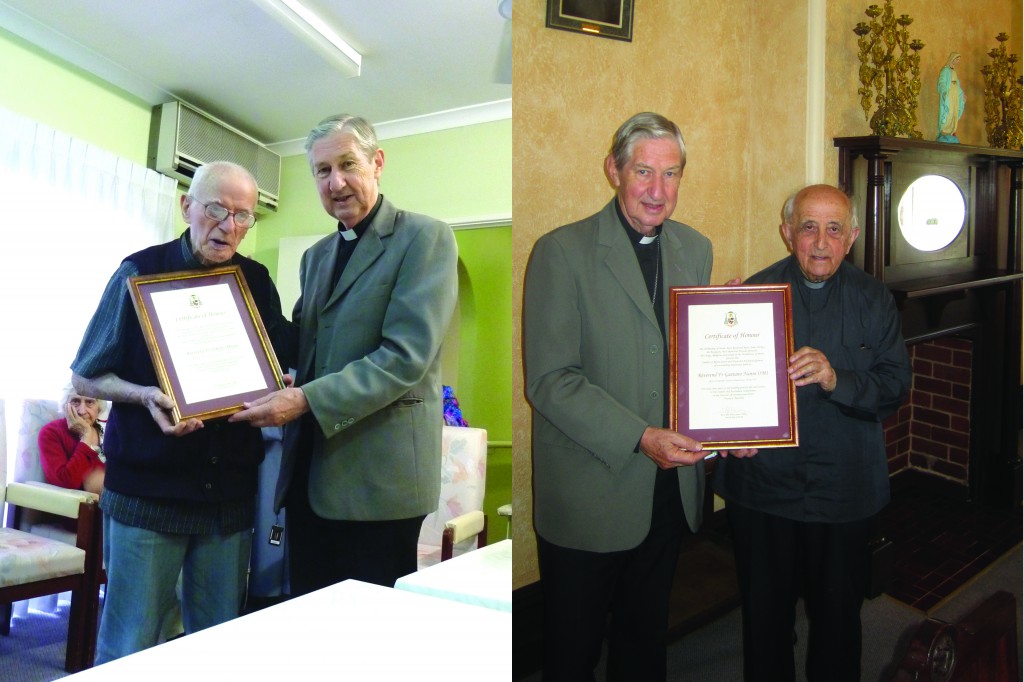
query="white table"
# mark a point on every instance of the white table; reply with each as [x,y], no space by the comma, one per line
[482,577]
[349,631]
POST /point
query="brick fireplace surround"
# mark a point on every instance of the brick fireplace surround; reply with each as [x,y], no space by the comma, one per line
[931,432]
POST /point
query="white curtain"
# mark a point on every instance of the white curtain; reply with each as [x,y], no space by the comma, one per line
[70,212]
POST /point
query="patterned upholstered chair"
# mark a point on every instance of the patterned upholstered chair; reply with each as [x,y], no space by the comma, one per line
[459,524]
[35,414]
[32,565]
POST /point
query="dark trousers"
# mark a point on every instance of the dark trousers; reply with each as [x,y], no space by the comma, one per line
[626,593]
[322,551]
[777,562]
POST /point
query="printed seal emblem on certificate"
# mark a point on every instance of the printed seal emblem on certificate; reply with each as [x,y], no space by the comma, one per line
[207,341]
[729,349]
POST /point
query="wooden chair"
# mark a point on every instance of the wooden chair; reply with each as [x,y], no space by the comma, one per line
[32,565]
[468,526]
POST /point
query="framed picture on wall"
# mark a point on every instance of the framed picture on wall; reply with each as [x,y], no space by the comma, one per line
[605,18]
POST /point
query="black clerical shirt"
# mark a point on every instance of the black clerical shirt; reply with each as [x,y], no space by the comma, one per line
[648,257]
[347,246]
[839,473]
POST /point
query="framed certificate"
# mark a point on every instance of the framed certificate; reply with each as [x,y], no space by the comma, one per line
[728,358]
[209,347]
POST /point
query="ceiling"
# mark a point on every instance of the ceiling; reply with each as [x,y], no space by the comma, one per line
[425,65]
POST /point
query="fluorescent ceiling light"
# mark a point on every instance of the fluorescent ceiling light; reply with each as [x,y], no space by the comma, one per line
[298,19]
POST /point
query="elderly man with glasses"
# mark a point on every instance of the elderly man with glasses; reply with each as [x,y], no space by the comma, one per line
[179,498]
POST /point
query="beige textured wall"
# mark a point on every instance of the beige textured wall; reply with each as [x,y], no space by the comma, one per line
[732,74]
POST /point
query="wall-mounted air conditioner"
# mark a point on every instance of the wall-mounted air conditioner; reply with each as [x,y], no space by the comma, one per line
[182,138]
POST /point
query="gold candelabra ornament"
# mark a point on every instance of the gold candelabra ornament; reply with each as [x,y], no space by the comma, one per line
[1002,97]
[890,72]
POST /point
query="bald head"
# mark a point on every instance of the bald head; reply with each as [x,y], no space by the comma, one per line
[222,195]
[210,176]
[819,227]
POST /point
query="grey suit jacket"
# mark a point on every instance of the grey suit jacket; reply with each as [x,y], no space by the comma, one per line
[369,365]
[593,354]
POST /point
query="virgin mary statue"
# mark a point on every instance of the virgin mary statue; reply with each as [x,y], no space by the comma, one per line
[951,100]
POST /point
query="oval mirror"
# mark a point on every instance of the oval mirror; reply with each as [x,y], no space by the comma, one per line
[931,212]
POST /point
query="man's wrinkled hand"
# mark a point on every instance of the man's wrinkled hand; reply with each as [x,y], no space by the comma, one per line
[275,409]
[669,449]
[810,366]
[160,406]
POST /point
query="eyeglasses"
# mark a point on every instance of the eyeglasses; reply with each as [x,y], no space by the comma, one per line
[243,219]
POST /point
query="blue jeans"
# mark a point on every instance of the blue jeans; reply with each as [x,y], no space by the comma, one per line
[142,570]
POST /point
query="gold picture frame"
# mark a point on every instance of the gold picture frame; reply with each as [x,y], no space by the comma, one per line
[729,349]
[208,344]
[605,18]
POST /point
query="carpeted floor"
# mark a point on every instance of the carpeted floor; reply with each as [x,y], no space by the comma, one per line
[34,652]
[948,555]
[713,653]
[941,539]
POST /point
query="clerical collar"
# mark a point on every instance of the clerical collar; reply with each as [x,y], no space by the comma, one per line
[357,231]
[634,236]
[814,285]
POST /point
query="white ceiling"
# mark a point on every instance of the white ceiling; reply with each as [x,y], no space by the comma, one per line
[426,65]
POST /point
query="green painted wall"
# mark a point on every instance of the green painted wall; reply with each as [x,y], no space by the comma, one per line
[35,84]
[452,174]
[484,383]
[455,175]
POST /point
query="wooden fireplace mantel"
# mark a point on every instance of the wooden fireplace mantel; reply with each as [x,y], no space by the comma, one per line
[969,289]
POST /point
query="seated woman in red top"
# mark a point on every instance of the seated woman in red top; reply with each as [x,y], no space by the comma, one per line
[71,448]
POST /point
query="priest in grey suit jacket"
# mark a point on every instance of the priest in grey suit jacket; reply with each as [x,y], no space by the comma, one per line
[613,488]
[362,455]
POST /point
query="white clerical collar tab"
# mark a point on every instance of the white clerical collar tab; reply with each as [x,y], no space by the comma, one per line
[348,235]
[648,239]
